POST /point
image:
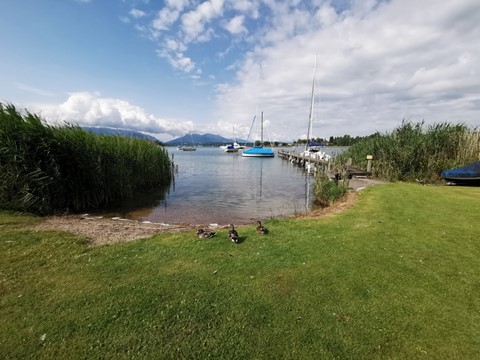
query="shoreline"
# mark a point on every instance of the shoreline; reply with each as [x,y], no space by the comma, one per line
[102,231]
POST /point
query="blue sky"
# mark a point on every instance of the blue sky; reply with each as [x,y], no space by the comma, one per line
[170,67]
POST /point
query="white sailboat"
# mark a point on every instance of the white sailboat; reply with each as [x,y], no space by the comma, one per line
[189,147]
[313,149]
[232,147]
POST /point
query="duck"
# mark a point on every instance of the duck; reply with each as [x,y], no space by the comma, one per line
[232,234]
[205,234]
[261,229]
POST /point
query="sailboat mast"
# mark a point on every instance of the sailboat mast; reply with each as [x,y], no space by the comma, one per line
[312,101]
[261,132]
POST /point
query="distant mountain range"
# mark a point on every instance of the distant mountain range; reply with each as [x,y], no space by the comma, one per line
[205,139]
[121,132]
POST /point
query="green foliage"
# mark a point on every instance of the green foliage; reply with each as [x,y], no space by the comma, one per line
[414,152]
[46,169]
[327,191]
[345,140]
[395,277]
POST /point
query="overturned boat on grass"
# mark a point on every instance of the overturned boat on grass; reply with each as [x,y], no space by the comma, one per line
[465,175]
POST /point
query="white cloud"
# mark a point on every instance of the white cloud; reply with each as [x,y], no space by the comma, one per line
[183,62]
[178,60]
[177,4]
[169,14]
[326,15]
[124,19]
[136,13]
[247,7]
[193,22]
[378,63]
[174,45]
[165,18]
[90,109]
[235,25]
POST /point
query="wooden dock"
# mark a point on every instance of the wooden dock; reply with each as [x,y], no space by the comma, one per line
[301,159]
[315,164]
[356,172]
[311,163]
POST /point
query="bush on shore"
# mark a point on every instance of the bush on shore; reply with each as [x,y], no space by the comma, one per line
[328,192]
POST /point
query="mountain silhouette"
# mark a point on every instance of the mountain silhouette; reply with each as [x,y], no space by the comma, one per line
[205,139]
[120,132]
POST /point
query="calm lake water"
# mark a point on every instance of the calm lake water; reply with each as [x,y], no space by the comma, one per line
[212,186]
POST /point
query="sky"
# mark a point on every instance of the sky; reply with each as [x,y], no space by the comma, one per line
[177,66]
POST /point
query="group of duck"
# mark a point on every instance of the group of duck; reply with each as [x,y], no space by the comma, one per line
[232,233]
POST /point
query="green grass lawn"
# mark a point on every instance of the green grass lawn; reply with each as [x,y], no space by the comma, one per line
[396,277]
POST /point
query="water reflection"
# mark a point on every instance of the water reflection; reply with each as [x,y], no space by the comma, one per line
[142,204]
[261,177]
[307,191]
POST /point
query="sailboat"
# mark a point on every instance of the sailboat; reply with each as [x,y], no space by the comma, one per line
[312,148]
[189,147]
[232,147]
[259,151]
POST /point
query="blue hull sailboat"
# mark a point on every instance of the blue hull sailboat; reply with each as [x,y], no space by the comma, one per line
[259,151]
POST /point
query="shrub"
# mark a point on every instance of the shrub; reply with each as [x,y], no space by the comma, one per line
[327,191]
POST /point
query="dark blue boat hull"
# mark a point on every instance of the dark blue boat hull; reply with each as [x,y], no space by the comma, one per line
[468,174]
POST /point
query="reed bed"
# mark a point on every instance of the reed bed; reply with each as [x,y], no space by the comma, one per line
[414,151]
[51,169]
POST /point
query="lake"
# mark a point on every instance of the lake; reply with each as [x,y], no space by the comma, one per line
[214,187]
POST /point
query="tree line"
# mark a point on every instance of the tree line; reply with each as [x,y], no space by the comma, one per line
[345,140]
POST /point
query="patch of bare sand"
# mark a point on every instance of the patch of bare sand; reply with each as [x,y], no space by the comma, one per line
[99,231]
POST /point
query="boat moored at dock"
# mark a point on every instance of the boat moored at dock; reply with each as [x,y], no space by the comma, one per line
[259,151]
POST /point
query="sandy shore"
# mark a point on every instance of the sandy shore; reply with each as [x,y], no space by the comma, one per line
[99,231]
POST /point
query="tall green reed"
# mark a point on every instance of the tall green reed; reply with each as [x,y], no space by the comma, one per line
[415,151]
[48,169]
